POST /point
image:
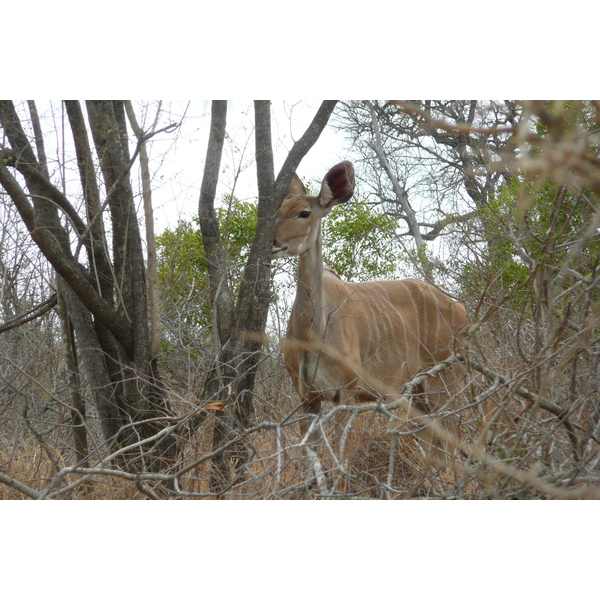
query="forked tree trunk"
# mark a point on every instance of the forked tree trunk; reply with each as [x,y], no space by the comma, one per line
[241,321]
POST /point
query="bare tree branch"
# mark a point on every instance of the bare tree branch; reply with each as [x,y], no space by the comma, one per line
[29,315]
[20,487]
[71,272]
[400,193]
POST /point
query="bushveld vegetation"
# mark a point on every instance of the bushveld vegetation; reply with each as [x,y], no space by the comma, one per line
[143,366]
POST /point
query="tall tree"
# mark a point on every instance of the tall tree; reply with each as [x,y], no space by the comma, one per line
[242,319]
[104,292]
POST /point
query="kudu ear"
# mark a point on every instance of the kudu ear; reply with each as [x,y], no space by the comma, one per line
[296,187]
[338,185]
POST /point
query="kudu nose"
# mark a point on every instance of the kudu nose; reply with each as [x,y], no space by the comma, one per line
[277,249]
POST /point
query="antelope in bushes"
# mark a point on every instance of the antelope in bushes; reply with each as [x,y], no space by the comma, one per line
[385,331]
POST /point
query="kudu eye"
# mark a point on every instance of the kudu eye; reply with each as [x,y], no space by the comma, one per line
[304,214]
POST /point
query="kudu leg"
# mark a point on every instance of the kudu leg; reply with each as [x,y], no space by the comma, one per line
[426,403]
[438,394]
[339,447]
[310,435]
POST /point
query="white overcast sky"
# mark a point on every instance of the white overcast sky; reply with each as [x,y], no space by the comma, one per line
[177,162]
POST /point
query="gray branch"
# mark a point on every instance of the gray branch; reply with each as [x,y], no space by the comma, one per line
[399,191]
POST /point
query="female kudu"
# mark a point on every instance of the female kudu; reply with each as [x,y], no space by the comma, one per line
[343,336]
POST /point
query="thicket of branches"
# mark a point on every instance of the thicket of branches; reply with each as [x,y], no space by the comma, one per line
[496,202]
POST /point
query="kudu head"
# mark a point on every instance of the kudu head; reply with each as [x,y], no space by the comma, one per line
[299,218]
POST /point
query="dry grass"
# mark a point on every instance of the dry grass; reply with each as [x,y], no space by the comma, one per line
[513,430]
[379,466]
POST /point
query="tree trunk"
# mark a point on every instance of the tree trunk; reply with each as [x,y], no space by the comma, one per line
[233,373]
[74,385]
[68,334]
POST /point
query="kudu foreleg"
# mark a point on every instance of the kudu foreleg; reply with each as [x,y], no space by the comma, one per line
[342,423]
[435,399]
[310,435]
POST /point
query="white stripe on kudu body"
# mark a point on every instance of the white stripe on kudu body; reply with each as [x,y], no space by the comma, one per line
[390,330]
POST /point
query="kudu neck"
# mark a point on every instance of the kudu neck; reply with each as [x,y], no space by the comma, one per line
[308,318]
